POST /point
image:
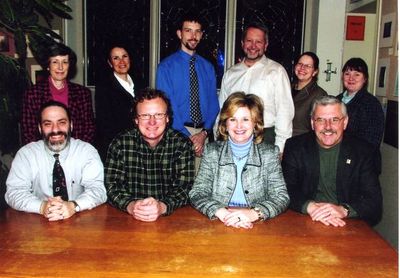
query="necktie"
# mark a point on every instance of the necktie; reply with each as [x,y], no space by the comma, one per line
[195,113]
[59,184]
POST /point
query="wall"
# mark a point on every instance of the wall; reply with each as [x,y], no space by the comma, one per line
[364,49]
[388,227]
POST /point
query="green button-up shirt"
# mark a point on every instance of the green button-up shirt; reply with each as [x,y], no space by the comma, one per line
[134,171]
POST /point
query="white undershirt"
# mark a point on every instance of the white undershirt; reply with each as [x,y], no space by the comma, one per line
[128,86]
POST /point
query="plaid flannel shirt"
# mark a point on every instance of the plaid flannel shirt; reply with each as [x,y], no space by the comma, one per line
[134,171]
[79,103]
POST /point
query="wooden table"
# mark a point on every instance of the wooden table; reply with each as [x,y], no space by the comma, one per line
[106,242]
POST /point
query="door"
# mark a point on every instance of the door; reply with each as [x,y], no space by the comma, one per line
[330,41]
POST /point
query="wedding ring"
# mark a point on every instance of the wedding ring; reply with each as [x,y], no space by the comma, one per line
[239,219]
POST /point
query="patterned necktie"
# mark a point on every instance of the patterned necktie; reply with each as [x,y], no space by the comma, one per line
[59,184]
[195,113]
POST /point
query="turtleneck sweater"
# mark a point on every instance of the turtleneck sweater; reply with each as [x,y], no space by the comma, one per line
[240,153]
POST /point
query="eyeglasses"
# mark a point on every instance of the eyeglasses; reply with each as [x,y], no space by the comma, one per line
[332,121]
[157,116]
[301,65]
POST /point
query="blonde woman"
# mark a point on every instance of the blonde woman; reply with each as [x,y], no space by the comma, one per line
[240,179]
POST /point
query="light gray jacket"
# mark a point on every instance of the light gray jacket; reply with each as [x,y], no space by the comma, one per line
[262,180]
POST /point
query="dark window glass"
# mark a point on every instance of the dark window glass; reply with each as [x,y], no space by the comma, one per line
[212,45]
[284,20]
[124,21]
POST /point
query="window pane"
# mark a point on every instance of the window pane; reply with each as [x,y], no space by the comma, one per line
[284,20]
[212,45]
[123,21]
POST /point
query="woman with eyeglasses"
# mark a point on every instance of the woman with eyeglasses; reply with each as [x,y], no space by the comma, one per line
[304,90]
[366,118]
[240,179]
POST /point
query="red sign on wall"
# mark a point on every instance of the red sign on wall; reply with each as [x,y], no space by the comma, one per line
[355,28]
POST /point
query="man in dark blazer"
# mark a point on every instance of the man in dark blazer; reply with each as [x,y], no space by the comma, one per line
[331,175]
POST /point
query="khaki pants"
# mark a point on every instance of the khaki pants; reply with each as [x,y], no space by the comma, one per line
[197,159]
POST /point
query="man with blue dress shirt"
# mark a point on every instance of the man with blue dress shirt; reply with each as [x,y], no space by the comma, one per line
[193,113]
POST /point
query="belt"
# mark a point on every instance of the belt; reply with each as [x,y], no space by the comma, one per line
[200,125]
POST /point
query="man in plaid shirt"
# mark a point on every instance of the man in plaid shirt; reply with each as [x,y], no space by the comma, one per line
[149,170]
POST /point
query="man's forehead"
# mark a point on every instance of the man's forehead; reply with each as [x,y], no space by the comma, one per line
[193,24]
[155,102]
[328,109]
[54,112]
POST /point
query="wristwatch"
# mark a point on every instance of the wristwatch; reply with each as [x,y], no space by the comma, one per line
[347,208]
[259,213]
[77,207]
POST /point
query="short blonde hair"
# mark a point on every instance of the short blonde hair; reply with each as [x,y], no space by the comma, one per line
[232,104]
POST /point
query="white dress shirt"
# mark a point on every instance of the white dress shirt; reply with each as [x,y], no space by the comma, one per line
[268,80]
[30,181]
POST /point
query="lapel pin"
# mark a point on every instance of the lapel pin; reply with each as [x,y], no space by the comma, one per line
[348,161]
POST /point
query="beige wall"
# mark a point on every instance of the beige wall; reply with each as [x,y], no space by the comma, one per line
[389,227]
[364,49]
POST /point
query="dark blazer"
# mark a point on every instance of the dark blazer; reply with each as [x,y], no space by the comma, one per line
[79,104]
[366,118]
[113,112]
[357,182]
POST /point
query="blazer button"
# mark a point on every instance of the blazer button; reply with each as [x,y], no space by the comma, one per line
[246,191]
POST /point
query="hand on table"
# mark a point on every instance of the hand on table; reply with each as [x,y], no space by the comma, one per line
[237,217]
[147,210]
[56,209]
[327,213]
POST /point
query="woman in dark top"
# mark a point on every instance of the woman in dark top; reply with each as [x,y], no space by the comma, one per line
[114,97]
[366,118]
[305,89]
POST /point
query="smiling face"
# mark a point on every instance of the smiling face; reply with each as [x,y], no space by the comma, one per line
[254,45]
[305,70]
[353,80]
[119,61]
[240,126]
[152,129]
[55,128]
[190,36]
[329,123]
[58,67]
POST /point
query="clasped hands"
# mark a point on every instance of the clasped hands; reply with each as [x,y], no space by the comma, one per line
[147,210]
[56,209]
[198,141]
[237,217]
[327,213]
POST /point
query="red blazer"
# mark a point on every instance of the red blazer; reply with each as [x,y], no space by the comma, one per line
[79,103]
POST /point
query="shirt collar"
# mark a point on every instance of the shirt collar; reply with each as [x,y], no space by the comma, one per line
[185,55]
[127,85]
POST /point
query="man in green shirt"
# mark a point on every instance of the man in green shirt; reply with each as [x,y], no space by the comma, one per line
[149,170]
[330,175]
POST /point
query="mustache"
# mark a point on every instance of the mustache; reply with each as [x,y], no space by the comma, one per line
[328,131]
[56,133]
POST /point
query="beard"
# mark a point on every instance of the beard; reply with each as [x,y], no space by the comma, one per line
[254,57]
[188,46]
[57,146]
